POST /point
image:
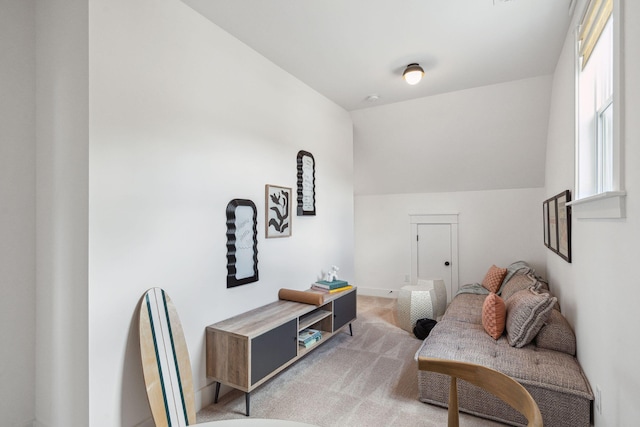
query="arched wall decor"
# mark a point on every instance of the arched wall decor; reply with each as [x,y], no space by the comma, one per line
[306,183]
[242,242]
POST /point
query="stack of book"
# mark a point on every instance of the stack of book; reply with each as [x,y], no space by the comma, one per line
[331,287]
[309,337]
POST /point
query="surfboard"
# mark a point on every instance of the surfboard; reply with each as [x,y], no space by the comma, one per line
[165,361]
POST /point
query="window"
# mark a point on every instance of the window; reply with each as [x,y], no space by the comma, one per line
[598,151]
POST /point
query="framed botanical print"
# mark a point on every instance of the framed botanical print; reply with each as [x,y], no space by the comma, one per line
[306,183]
[278,211]
[242,243]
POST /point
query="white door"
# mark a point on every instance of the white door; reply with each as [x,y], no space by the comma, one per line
[434,253]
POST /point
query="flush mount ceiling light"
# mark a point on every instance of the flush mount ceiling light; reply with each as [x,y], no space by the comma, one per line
[413,74]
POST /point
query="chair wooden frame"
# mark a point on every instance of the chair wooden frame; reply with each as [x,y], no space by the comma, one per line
[500,385]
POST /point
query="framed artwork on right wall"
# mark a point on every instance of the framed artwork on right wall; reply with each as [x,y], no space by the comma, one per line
[557,224]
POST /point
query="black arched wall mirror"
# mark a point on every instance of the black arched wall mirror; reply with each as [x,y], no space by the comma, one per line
[306,183]
[242,242]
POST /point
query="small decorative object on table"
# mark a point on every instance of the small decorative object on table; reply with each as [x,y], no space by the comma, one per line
[332,274]
[331,284]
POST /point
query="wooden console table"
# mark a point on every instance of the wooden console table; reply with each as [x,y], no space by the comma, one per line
[246,350]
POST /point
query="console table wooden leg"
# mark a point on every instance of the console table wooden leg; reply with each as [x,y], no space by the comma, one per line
[247,398]
[350,330]
[215,400]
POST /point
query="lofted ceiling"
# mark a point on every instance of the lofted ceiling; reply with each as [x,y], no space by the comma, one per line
[349,50]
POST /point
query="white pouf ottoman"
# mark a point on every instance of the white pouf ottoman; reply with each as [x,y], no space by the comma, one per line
[427,299]
[415,302]
[441,295]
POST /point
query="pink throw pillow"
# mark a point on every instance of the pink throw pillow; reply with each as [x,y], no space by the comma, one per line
[494,313]
[494,278]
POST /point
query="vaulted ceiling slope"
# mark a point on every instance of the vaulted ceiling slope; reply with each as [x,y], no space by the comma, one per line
[477,121]
[351,49]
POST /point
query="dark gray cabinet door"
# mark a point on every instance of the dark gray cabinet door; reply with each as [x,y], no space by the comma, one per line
[273,349]
[344,310]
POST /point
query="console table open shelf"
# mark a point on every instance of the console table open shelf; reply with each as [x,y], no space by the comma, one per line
[247,350]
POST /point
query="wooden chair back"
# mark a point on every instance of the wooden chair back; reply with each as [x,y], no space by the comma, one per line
[500,385]
[165,361]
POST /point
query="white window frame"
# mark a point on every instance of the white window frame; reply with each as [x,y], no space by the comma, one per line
[604,148]
[605,203]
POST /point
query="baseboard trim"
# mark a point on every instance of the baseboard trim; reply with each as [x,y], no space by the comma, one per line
[377,292]
[146,423]
[205,396]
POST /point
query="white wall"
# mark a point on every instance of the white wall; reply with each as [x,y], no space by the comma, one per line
[62,393]
[166,92]
[495,227]
[183,119]
[17,213]
[485,138]
[598,289]
[477,152]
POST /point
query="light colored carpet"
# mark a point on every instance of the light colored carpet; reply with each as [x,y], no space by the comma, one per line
[369,379]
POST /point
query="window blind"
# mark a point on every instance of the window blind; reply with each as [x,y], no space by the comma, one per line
[591,27]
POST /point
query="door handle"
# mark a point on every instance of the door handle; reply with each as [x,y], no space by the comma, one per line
[446,263]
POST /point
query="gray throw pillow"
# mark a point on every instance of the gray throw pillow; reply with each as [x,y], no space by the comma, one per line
[517,282]
[556,334]
[527,311]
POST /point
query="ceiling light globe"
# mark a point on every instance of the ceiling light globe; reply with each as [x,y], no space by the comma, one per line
[413,74]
